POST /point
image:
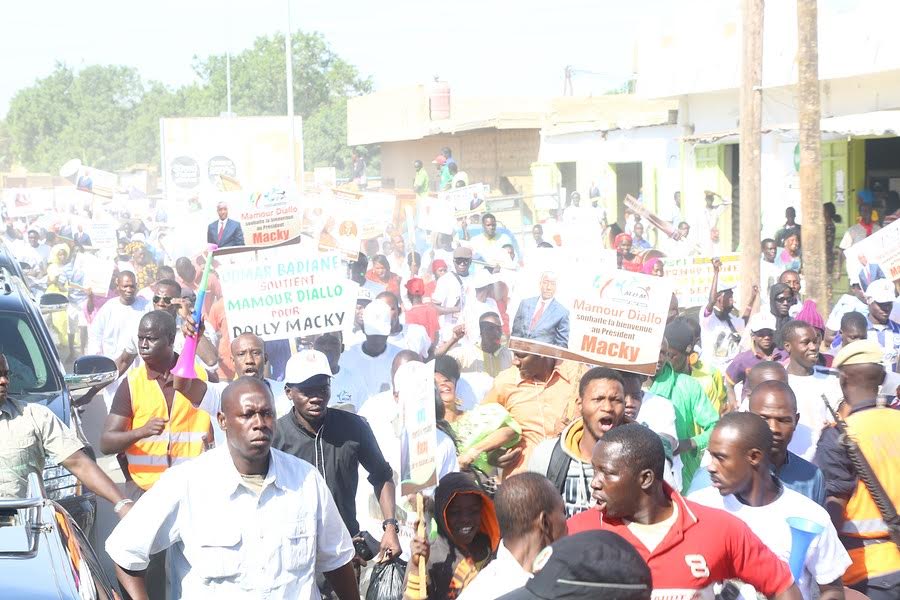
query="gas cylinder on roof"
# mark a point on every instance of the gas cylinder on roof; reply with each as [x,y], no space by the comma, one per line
[439,100]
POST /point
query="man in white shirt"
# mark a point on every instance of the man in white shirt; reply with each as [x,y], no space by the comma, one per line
[531,515]
[743,484]
[117,320]
[720,330]
[248,351]
[251,521]
[450,291]
[366,366]
[408,336]
[809,383]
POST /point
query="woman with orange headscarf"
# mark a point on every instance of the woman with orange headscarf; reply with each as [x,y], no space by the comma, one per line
[627,260]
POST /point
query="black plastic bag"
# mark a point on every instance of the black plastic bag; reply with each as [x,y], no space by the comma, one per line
[386,582]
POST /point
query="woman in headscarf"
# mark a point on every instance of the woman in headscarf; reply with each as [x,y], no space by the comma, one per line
[654,266]
[626,258]
[144,267]
[781,299]
[380,273]
[788,258]
[486,426]
[58,283]
[438,269]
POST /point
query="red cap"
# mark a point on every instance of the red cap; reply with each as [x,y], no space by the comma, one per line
[440,159]
[415,287]
[438,263]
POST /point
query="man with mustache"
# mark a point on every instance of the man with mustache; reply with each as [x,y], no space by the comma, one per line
[336,442]
[251,521]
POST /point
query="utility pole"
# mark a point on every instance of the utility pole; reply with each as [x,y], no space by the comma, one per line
[813,244]
[750,140]
[289,83]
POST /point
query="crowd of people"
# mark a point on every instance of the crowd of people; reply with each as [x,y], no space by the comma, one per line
[276,470]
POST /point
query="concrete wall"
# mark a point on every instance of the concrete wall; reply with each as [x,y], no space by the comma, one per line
[485,154]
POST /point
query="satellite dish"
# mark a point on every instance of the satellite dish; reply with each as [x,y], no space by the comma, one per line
[70,169]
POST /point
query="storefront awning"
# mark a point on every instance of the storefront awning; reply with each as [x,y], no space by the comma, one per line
[879,122]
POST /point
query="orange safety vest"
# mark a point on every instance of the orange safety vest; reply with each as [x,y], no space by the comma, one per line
[182,438]
[864,533]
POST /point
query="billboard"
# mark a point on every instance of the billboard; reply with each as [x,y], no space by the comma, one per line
[203,155]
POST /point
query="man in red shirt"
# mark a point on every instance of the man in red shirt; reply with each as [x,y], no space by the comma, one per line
[420,313]
[688,547]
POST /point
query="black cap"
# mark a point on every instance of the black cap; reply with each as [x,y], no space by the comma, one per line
[593,565]
[679,335]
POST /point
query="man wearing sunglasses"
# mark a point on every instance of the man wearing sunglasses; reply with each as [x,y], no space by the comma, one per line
[450,292]
[336,442]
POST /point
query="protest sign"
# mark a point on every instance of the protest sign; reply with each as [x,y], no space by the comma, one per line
[878,253]
[89,179]
[604,317]
[692,277]
[103,236]
[418,438]
[266,218]
[27,202]
[465,200]
[436,215]
[97,274]
[287,292]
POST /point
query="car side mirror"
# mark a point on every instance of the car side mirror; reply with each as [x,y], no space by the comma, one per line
[25,266]
[92,371]
[53,302]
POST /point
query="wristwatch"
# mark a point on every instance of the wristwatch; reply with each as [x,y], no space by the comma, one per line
[394,522]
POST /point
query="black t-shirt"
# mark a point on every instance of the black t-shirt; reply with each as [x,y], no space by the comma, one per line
[344,442]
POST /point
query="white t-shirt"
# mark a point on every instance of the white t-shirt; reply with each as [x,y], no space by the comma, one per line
[448,292]
[362,376]
[826,559]
[114,326]
[412,337]
[212,404]
[502,575]
[813,414]
[719,346]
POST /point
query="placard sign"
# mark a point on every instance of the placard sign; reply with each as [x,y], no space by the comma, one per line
[418,438]
[287,292]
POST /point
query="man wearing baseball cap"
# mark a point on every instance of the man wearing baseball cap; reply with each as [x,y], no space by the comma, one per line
[861,525]
[594,565]
[419,312]
[336,442]
[885,332]
[762,337]
[450,291]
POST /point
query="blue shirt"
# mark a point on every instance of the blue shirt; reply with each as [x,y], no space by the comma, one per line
[803,477]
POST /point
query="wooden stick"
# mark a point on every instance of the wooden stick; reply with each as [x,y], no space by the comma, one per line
[423,575]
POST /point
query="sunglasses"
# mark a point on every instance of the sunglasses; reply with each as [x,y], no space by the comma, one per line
[162,299]
[461,261]
[784,299]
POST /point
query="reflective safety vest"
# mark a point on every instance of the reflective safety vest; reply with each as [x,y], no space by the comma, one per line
[182,438]
[864,533]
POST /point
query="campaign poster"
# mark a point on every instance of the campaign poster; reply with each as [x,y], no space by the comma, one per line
[103,236]
[601,316]
[466,200]
[876,257]
[286,292]
[27,202]
[418,437]
[266,218]
[692,277]
[97,273]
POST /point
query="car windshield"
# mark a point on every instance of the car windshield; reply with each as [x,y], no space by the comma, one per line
[30,375]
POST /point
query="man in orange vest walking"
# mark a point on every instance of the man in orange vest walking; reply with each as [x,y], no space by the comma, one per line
[875,570]
[155,426]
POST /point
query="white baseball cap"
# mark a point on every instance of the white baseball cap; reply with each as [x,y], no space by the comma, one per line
[377,318]
[881,290]
[305,365]
[482,278]
[762,320]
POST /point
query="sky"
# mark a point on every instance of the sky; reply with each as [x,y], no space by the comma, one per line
[481,47]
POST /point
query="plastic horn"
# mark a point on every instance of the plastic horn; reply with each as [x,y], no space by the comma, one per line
[184,368]
[803,532]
